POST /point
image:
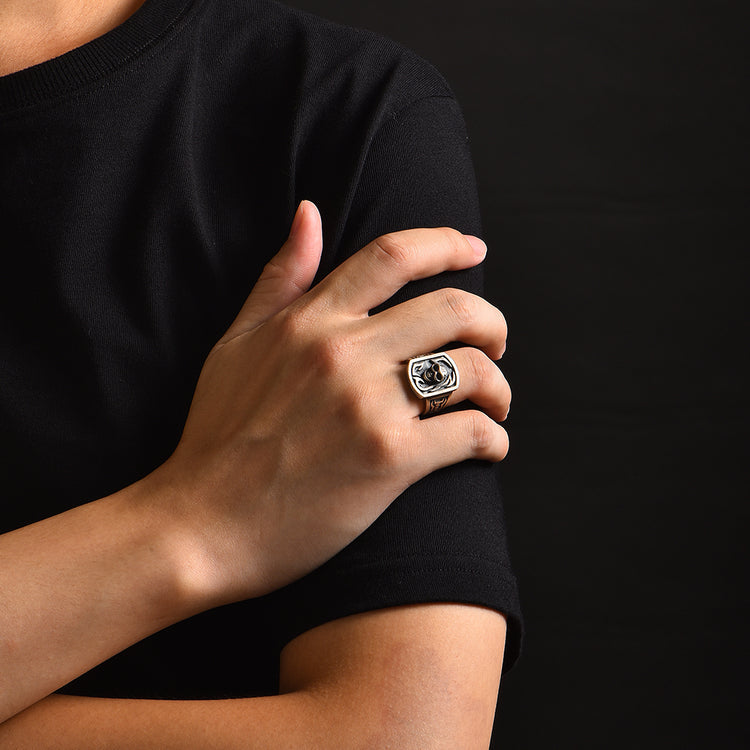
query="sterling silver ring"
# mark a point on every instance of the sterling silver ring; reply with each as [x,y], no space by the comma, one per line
[433,377]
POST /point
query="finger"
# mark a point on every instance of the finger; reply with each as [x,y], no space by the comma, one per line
[375,273]
[448,439]
[480,381]
[430,321]
[287,275]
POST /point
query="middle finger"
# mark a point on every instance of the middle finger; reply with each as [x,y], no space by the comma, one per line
[430,321]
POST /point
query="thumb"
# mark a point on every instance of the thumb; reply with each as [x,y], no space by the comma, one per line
[287,275]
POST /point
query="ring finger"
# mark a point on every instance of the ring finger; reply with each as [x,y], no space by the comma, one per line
[480,381]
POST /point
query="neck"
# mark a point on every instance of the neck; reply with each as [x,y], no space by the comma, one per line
[34,31]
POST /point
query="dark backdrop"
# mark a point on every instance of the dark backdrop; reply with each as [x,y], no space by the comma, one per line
[612,150]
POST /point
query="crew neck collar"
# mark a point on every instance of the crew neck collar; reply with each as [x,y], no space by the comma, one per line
[95,59]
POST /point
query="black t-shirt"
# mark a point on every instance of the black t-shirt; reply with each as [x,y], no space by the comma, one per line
[145,180]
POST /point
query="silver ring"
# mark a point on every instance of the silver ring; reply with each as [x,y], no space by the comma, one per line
[433,377]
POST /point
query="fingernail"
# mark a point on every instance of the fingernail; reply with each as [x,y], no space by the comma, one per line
[480,248]
[297,219]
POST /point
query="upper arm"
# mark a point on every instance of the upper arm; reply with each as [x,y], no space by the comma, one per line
[425,673]
[417,676]
[443,539]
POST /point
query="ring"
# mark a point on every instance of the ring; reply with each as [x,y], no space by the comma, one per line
[433,377]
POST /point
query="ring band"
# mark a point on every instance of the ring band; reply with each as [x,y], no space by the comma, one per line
[433,377]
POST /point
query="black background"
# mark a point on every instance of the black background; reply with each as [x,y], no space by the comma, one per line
[611,141]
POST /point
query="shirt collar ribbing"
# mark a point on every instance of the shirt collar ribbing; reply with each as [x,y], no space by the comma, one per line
[90,62]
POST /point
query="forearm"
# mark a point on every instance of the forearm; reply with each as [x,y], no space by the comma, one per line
[416,677]
[71,723]
[81,586]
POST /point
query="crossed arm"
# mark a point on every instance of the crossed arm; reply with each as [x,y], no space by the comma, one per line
[83,585]
[418,677]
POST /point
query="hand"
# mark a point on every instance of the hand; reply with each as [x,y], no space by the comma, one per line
[302,429]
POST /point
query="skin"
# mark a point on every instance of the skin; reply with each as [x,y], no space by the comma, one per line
[183,539]
[409,678]
[37,30]
[83,585]
[186,537]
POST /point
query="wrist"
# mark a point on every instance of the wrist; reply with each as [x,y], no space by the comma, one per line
[188,540]
[162,551]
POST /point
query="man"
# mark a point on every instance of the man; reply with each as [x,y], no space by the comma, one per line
[149,170]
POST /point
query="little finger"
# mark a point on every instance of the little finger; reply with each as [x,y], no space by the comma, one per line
[448,439]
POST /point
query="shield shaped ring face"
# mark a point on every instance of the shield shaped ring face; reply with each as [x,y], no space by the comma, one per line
[433,377]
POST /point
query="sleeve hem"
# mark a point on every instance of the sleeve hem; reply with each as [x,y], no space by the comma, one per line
[404,581]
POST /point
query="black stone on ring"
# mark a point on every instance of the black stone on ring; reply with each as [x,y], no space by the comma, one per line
[433,377]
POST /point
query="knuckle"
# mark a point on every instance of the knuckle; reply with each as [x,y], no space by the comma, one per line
[489,440]
[453,238]
[481,432]
[394,249]
[273,270]
[295,323]
[479,372]
[462,305]
[384,447]
[331,354]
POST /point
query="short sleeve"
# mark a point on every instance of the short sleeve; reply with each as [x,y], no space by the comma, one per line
[374,136]
[444,539]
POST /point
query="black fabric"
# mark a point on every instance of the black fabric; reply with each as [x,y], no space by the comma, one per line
[145,180]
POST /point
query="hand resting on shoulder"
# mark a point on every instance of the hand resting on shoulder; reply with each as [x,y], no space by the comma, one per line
[302,430]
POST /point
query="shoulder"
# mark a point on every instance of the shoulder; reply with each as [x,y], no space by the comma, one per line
[319,63]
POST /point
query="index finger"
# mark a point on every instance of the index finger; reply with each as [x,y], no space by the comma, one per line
[376,272]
